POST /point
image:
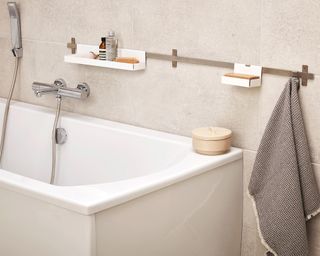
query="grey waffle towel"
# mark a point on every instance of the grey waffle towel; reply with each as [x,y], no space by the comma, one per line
[282,185]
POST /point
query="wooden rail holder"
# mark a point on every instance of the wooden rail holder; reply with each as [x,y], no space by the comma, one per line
[174,57]
[304,75]
[72,45]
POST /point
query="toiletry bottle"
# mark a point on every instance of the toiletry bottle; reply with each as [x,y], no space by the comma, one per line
[102,49]
[111,46]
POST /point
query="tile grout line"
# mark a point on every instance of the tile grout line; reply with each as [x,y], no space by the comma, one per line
[255,152]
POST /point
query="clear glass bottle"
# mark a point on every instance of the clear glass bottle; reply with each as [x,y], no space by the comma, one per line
[102,49]
[111,46]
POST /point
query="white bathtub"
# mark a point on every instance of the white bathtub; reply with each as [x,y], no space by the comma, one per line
[120,190]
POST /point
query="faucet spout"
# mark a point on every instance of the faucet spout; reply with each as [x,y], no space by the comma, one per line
[41,92]
[43,88]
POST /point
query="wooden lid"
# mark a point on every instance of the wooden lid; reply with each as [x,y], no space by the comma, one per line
[130,60]
[242,76]
[211,133]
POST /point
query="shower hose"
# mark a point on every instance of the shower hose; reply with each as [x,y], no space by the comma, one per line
[6,111]
[54,141]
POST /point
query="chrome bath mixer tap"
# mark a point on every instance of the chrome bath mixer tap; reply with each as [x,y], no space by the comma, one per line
[59,89]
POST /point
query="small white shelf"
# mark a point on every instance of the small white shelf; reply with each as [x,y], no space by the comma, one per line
[244,69]
[84,57]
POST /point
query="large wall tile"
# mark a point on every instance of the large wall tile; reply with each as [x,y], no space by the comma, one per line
[290,35]
[112,94]
[87,20]
[227,30]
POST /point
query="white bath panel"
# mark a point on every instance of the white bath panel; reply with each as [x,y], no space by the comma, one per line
[85,57]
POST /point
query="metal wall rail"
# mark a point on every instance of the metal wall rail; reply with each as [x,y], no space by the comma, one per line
[174,58]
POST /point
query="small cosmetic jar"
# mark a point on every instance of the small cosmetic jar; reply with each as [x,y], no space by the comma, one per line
[211,140]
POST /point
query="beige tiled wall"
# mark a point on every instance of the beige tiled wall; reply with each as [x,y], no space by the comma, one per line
[282,34]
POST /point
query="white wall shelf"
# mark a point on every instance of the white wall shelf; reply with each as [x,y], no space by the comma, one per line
[84,57]
[244,75]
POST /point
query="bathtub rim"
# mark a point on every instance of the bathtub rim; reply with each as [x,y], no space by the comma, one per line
[92,198]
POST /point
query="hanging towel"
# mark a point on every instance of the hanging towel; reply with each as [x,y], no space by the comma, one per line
[283,186]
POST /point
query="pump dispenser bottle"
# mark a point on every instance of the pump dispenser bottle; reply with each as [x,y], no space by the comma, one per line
[111,46]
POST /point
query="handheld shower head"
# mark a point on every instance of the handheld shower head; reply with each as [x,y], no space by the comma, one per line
[15,29]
